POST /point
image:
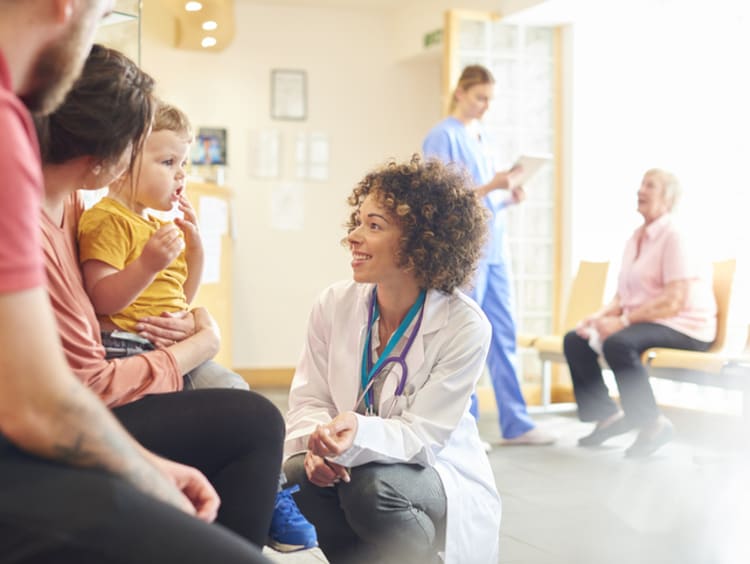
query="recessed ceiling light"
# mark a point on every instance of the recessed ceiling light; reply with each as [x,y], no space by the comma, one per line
[208,41]
[193,6]
[209,25]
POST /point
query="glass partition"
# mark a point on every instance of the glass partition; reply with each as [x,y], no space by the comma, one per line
[121,30]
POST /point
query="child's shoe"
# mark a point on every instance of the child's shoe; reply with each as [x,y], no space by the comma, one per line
[290,531]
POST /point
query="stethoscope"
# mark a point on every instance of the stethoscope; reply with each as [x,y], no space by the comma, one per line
[370,372]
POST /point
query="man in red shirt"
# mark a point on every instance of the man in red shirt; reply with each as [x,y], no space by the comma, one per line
[74,486]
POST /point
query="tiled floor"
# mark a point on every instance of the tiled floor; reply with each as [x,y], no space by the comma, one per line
[687,504]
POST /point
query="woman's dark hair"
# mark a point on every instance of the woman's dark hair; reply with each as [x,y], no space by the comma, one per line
[109,107]
[443,223]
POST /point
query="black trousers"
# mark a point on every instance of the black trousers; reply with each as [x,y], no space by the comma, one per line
[622,351]
[56,514]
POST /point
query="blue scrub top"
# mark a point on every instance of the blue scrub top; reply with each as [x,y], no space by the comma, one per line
[451,142]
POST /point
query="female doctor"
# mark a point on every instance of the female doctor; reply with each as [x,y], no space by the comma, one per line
[379,434]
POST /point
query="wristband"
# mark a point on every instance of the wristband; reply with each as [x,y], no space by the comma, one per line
[625,320]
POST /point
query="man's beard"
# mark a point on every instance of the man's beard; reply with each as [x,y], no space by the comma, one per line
[56,69]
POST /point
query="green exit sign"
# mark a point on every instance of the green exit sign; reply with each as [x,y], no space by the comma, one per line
[433,38]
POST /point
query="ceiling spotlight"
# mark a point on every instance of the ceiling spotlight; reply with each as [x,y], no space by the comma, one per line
[209,25]
[208,41]
[193,6]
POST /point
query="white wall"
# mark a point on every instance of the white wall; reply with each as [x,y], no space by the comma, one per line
[662,84]
[372,105]
[647,89]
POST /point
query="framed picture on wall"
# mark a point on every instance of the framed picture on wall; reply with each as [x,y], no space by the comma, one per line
[288,94]
[210,146]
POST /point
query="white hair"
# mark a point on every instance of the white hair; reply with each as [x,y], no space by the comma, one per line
[670,185]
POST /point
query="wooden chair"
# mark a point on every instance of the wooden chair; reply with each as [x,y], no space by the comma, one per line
[713,367]
[585,297]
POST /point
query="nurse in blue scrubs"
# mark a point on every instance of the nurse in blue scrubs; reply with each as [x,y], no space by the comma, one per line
[459,139]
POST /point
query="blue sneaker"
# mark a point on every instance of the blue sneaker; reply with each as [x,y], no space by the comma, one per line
[290,531]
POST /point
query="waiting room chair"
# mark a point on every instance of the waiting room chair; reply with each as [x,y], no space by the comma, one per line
[713,367]
[585,297]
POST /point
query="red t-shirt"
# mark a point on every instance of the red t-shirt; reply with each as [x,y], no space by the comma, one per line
[22,265]
[21,187]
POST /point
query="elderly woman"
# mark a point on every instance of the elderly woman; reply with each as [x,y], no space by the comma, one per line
[379,434]
[663,300]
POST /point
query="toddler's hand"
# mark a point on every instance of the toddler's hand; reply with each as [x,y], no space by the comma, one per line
[162,248]
[189,222]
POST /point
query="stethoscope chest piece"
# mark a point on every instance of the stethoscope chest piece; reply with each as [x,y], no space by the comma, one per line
[370,371]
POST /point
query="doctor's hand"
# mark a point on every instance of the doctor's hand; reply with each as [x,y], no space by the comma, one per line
[334,438]
[324,473]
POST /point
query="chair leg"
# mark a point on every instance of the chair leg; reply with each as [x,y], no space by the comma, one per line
[546,404]
[546,399]
[546,384]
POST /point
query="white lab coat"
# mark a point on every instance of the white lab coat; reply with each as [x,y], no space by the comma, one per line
[429,424]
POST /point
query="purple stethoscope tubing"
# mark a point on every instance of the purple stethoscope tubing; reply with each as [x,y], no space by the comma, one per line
[400,359]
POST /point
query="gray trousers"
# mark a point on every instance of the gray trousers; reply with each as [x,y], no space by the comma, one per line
[388,513]
[211,374]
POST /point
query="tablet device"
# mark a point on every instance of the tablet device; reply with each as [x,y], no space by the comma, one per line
[531,165]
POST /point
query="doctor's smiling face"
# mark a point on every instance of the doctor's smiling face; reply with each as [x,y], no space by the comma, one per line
[415,224]
[374,242]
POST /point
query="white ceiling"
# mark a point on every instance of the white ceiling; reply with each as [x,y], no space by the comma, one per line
[364,4]
[389,5]
[549,12]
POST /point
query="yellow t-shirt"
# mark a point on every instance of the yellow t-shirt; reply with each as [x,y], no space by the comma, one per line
[113,234]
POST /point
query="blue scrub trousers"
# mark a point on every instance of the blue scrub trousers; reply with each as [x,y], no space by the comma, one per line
[493,292]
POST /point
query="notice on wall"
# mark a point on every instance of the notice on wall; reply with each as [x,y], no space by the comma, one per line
[288,207]
[311,156]
[265,153]
[213,225]
[319,155]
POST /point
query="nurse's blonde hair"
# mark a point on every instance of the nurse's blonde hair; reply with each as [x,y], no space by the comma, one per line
[471,76]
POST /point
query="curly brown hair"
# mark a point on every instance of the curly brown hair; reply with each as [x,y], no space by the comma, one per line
[443,223]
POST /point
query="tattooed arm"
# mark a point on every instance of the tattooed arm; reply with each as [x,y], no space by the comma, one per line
[46,411]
